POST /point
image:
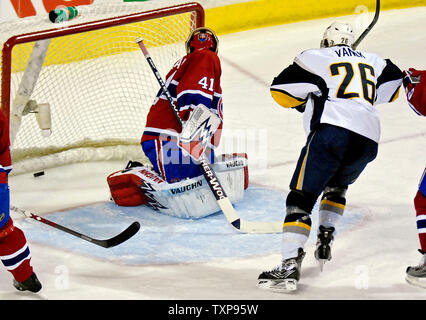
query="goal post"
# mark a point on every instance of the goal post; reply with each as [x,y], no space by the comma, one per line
[89,74]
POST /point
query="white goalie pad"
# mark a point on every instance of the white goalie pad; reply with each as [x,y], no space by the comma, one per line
[190,198]
[198,131]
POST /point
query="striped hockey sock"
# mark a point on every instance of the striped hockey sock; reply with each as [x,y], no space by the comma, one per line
[15,253]
[420,205]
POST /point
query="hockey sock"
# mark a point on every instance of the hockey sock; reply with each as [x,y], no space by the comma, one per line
[297,227]
[420,205]
[297,223]
[14,252]
[332,206]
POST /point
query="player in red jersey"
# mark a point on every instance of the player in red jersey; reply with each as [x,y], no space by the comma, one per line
[415,88]
[193,81]
[175,185]
[14,251]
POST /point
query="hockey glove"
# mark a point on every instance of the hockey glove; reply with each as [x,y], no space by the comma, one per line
[198,131]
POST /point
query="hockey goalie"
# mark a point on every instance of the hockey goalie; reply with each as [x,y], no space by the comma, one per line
[173,182]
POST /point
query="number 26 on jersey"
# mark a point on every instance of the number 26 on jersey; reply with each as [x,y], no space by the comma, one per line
[362,73]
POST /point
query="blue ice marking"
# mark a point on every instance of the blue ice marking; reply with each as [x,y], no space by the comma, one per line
[163,239]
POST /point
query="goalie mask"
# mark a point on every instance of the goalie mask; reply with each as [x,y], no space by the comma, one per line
[202,38]
[336,34]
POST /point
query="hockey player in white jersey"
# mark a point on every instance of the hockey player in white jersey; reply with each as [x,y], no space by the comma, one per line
[338,89]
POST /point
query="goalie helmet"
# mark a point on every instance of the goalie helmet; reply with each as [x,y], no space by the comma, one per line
[202,38]
[338,33]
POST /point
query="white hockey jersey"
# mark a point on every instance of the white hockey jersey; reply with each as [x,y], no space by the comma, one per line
[339,86]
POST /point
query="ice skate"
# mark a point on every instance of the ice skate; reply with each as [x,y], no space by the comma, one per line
[324,242]
[31,284]
[283,278]
[417,275]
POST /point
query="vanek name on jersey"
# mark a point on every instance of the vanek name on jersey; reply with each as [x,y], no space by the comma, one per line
[348,52]
[339,86]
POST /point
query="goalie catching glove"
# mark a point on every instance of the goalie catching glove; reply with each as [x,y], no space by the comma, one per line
[197,131]
[191,198]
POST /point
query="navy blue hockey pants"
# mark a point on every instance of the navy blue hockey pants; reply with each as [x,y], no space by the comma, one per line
[332,156]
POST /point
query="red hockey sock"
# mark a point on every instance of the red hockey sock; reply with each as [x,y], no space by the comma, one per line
[420,205]
[14,252]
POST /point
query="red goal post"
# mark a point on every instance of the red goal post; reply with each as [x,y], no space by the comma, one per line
[90,73]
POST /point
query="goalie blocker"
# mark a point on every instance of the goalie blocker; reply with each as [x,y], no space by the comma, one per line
[191,198]
[198,131]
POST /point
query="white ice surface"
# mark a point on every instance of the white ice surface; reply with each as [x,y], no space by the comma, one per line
[369,259]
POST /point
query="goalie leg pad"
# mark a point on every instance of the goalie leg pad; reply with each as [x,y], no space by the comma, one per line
[193,199]
[126,185]
[190,198]
[226,162]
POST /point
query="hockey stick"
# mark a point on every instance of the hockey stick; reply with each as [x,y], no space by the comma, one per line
[210,176]
[366,31]
[129,232]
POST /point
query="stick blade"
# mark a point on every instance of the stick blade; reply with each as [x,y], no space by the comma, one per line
[247,226]
[125,235]
[261,226]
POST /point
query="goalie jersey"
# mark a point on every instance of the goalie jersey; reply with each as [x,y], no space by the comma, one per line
[193,80]
[338,86]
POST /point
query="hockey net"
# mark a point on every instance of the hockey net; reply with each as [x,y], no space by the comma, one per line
[92,75]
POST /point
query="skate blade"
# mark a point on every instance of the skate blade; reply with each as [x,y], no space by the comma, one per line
[285,286]
[418,282]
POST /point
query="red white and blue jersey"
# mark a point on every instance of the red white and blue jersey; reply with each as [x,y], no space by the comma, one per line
[14,251]
[416,97]
[5,167]
[422,184]
[193,80]
[5,159]
[416,93]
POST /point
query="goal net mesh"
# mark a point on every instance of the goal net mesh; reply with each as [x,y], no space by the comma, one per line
[97,82]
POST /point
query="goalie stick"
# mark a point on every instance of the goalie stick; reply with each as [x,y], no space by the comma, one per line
[211,178]
[129,232]
[366,31]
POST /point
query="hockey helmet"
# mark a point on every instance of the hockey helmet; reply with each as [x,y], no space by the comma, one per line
[338,33]
[202,38]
